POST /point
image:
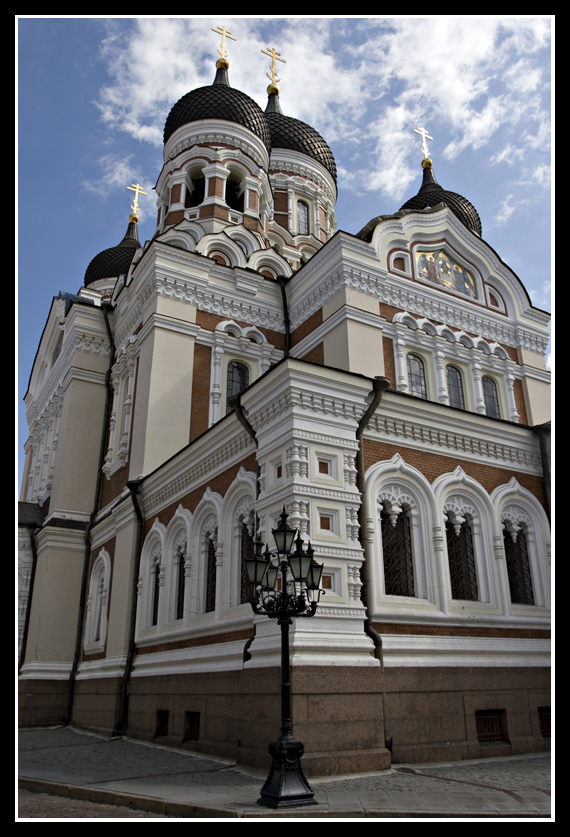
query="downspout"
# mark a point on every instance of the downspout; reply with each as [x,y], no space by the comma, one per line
[380,384]
[105,307]
[123,711]
[235,404]
[282,281]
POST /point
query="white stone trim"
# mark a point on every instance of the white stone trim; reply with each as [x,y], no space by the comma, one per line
[427,651]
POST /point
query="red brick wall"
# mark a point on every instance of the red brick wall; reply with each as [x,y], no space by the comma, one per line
[389,365]
[316,355]
[280,208]
[520,402]
[200,391]
[432,465]
[307,327]
[209,322]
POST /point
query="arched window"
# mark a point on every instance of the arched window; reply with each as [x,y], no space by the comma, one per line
[234,193]
[416,377]
[455,388]
[302,218]
[247,590]
[518,566]
[491,397]
[237,381]
[155,580]
[397,552]
[97,604]
[180,581]
[210,601]
[461,556]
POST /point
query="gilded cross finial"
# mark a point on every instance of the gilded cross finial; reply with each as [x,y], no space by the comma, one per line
[424,135]
[135,204]
[225,33]
[273,54]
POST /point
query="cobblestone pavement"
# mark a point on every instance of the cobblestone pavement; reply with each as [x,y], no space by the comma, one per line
[44,806]
[122,778]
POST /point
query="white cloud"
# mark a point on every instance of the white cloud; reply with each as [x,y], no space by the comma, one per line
[542,298]
[117,174]
[363,83]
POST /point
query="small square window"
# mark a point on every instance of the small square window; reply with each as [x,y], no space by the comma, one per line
[491,725]
[191,726]
[325,522]
[544,718]
[278,472]
[326,582]
[162,716]
[323,467]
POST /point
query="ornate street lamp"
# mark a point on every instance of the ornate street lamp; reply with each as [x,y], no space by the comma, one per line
[286,785]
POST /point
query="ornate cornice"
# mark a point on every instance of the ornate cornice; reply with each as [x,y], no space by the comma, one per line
[196,475]
[416,300]
[398,431]
[314,402]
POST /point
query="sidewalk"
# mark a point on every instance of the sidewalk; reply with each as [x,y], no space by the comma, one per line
[69,763]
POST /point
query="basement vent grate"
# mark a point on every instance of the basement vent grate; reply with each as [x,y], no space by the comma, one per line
[490,725]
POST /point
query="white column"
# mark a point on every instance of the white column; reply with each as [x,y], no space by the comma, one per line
[401,380]
[440,378]
[510,380]
[477,387]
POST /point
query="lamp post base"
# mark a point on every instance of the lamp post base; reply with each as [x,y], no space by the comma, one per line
[286,785]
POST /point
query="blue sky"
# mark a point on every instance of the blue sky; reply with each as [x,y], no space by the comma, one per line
[94,93]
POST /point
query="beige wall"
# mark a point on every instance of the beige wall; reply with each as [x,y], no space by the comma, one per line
[55,602]
[161,424]
[120,603]
[79,447]
[537,398]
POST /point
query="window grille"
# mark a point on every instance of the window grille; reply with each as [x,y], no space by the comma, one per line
[99,610]
[461,558]
[191,726]
[302,218]
[491,397]
[544,718]
[397,555]
[491,725]
[518,568]
[155,595]
[247,590]
[180,590]
[455,388]
[237,381]
[211,578]
[417,377]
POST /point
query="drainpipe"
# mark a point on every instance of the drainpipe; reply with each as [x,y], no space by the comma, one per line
[235,404]
[380,384]
[282,281]
[123,712]
[105,307]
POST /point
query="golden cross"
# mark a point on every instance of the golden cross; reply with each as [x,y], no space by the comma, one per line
[273,55]
[221,30]
[138,191]
[424,134]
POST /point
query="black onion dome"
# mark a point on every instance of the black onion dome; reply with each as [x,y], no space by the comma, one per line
[294,135]
[218,101]
[431,193]
[114,261]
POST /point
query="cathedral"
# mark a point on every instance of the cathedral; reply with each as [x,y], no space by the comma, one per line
[387,386]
